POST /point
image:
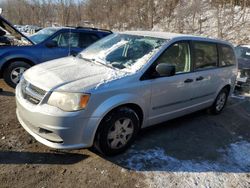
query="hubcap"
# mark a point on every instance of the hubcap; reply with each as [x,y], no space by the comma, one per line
[120,133]
[16,74]
[221,101]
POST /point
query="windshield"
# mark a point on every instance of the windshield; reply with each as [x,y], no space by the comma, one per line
[243,52]
[123,51]
[43,34]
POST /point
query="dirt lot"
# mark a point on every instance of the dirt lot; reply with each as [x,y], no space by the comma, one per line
[198,150]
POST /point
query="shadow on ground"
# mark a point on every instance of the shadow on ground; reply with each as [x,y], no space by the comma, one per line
[13,157]
[194,143]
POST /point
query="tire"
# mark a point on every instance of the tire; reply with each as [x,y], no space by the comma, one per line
[14,71]
[117,131]
[220,102]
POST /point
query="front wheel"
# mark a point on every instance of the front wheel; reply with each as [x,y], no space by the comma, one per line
[220,102]
[117,131]
[14,72]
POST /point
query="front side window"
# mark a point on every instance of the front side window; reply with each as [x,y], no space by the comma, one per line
[227,56]
[178,55]
[205,55]
[67,40]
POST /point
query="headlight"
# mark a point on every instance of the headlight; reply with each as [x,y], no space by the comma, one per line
[69,101]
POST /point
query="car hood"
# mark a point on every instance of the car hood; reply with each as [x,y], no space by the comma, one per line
[71,74]
[7,26]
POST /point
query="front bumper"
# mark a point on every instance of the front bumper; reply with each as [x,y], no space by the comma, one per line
[53,127]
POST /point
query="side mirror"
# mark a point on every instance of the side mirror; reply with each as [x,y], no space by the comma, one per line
[164,69]
[51,44]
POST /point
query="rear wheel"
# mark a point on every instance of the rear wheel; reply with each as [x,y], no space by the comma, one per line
[14,72]
[220,102]
[117,131]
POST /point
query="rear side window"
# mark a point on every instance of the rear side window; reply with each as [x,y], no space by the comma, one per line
[205,55]
[87,39]
[227,57]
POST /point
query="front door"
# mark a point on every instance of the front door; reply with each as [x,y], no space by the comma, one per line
[68,43]
[171,96]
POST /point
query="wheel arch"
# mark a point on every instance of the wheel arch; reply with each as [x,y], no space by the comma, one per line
[227,86]
[212,108]
[138,110]
[8,62]
[133,106]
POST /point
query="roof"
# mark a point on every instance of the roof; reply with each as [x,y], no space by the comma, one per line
[79,28]
[90,29]
[167,35]
[164,35]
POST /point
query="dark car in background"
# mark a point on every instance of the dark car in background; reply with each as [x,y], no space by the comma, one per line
[19,52]
[243,57]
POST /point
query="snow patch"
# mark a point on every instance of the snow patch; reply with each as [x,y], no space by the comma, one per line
[201,18]
[239,154]
[141,62]
[162,170]
[157,159]
[110,76]
[102,54]
[235,157]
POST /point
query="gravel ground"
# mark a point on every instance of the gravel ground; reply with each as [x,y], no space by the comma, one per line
[198,150]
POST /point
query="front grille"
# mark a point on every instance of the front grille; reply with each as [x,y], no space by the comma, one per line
[32,93]
[37,90]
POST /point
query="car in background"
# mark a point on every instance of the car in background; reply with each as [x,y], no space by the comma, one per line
[29,29]
[21,52]
[122,83]
[243,56]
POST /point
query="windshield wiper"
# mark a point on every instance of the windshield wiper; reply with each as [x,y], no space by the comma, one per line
[84,58]
[99,61]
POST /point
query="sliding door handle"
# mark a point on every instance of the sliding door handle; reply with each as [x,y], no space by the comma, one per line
[199,78]
[188,80]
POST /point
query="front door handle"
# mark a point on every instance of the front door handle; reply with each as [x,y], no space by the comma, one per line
[199,78]
[188,80]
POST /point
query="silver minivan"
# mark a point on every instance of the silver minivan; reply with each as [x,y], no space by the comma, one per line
[122,83]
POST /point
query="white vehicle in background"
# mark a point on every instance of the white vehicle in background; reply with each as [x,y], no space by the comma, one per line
[122,83]
[28,29]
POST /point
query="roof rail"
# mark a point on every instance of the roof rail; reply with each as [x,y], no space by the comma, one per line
[243,44]
[90,28]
